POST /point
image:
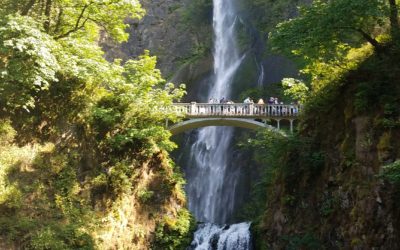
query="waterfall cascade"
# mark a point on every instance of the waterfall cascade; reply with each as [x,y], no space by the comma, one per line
[209,236]
[211,185]
[261,77]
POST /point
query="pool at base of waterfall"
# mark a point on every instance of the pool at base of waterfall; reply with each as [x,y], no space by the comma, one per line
[228,237]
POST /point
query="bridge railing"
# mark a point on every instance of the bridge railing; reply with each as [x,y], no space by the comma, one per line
[237,109]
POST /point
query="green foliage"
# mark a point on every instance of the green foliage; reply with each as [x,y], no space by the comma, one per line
[331,38]
[132,118]
[195,17]
[273,89]
[253,93]
[84,126]
[55,238]
[78,18]
[266,14]
[328,206]
[391,173]
[145,195]
[306,241]
[286,152]
[328,29]
[14,228]
[175,234]
[27,62]
[295,89]
[286,160]
[52,180]
[7,133]
[364,96]
[197,12]
[47,239]
[120,178]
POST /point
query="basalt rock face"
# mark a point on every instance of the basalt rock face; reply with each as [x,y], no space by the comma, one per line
[164,32]
[184,47]
[350,201]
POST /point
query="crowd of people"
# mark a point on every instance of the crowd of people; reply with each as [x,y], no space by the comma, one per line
[291,109]
[223,100]
[248,100]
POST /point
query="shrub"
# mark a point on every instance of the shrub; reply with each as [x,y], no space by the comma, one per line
[391,173]
[145,195]
[305,241]
[175,233]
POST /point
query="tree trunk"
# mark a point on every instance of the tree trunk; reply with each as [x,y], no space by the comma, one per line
[28,7]
[378,47]
[47,13]
[394,20]
[59,19]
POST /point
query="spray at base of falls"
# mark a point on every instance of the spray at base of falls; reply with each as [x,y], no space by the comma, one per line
[229,237]
[211,180]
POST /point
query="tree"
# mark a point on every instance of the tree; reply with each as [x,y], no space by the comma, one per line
[63,18]
[52,70]
[328,29]
[295,89]
[27,62]
[136,109]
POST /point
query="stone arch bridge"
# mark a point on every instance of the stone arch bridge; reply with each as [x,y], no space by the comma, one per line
[244,115]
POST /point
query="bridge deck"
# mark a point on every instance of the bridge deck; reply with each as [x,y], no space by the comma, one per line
[238,110]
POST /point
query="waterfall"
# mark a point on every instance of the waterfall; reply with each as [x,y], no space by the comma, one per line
[208,199]
[211,180]
[233,237]
[261,77]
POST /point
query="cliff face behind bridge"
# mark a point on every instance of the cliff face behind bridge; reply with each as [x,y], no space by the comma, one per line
[180,34]
[167,32]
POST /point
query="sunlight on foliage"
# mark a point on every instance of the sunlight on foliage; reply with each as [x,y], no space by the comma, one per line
[296,89]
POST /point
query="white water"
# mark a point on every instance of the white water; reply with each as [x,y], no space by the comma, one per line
[212,181]
[208,199]
[233,237]
[261,77]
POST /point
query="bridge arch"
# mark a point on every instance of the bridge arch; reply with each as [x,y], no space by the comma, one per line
[205,122]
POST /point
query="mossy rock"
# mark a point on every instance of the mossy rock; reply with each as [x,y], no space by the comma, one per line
[384,147]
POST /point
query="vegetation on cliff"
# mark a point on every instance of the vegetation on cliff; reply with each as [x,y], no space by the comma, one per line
[83,152]
[334,184]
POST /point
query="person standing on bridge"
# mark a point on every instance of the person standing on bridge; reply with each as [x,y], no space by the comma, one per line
[259,110]
[246,107]
[271,100]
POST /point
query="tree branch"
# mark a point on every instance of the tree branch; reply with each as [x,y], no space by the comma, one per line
[73,30]
[369,39]
[365,35]
[78,26]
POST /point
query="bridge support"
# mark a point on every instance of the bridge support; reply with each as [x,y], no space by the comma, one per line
[291,125]
[278,124]
[204,122]
[193,108]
